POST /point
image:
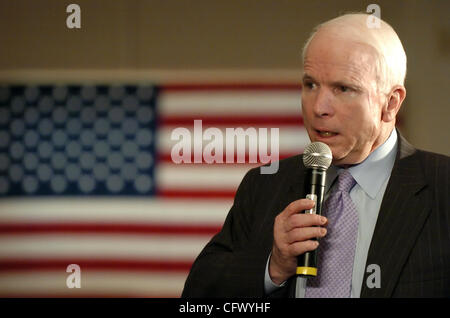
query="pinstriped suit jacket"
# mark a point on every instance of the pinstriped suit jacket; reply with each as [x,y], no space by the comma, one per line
[411,241]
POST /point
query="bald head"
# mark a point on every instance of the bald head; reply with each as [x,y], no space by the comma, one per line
[390,57]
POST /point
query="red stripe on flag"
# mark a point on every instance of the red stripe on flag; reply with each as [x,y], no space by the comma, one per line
[195,194]
[96,228]
[79,293]
[96,265]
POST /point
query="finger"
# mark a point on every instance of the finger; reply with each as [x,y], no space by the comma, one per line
[304,234]
[304,220]
[299,248]
[297,206]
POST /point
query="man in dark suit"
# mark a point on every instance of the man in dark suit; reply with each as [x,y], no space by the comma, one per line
[352,91]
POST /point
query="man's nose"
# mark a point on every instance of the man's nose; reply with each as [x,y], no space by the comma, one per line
[323,103]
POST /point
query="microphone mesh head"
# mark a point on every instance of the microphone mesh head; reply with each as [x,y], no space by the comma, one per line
[317,155]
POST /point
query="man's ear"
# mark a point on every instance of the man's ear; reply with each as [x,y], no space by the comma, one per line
[394,101]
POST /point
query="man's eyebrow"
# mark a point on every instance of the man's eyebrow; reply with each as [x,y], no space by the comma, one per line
[307,77]
[350,84]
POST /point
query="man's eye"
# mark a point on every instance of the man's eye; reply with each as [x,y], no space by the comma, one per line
[309,85]
[344,89]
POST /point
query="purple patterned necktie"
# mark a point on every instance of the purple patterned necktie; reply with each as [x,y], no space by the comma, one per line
[337,249]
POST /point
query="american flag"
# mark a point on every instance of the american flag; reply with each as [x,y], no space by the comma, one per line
[87,178]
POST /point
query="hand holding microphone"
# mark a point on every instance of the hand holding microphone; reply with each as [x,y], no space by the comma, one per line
[295,233]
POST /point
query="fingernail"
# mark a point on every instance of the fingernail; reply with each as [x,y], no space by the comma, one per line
[323,219]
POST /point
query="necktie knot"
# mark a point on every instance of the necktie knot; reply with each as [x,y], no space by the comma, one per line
[345,181]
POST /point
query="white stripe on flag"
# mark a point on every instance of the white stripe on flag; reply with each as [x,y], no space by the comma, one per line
[101,246]
[254,103]
[204,177]
[113,210]
[93,284]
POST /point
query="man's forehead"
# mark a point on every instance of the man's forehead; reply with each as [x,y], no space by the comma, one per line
[334,71]
[334,48]
[345,59]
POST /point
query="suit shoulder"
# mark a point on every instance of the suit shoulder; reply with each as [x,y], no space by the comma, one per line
[434,165]
[433,159]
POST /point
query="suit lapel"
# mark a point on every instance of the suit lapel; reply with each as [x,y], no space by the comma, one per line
[403,212]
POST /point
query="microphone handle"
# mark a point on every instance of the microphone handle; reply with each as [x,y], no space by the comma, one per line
[315,188]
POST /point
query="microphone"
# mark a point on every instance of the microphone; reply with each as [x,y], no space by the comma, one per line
[317,158]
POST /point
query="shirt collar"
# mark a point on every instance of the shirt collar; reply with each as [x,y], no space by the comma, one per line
[374,170]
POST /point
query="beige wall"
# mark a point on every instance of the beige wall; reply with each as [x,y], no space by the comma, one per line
[199,40]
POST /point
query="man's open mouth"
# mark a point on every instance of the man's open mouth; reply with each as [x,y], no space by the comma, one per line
[325,134]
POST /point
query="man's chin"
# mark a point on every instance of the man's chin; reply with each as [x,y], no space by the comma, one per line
[337,161]
[340,157]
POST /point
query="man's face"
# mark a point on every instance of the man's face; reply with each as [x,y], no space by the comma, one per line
[341,107]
